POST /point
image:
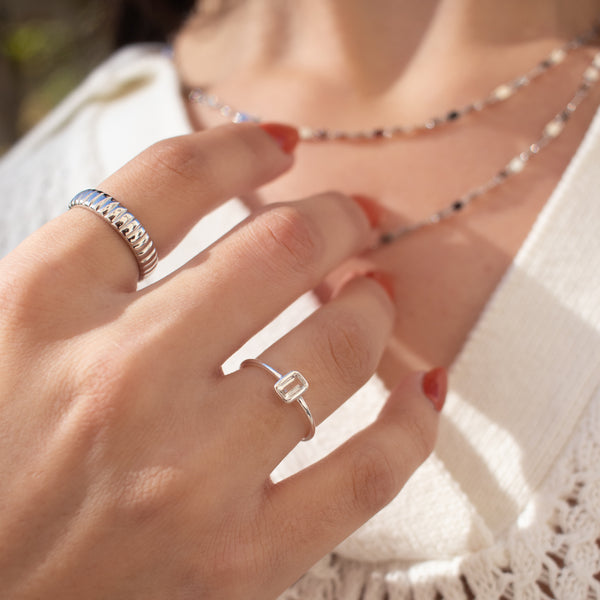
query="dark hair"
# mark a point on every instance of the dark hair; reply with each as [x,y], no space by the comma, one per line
[149,20]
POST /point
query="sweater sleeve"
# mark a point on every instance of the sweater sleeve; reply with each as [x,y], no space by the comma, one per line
[87,136]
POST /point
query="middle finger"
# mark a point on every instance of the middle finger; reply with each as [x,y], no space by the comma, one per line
[251,275]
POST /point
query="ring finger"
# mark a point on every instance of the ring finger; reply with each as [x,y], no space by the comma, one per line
[336,350]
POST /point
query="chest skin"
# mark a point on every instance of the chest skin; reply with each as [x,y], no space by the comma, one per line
[443,275]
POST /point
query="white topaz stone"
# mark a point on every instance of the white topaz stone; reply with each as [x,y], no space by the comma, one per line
[291,386]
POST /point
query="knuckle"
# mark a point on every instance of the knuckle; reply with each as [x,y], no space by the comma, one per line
[348,345]
[16,296]
[173,155]
[347,210]
[25,275]
[32,303]
[338,197]
[418,435]
[118,373]
[148,494]
[373,480]
[96,390]
[104,386]
[287,239]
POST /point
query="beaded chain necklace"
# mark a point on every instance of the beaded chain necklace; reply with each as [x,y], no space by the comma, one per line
[550,132]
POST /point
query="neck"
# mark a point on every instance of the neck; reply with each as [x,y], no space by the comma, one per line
[383,48]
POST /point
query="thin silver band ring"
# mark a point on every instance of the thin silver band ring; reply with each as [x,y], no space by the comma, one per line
[289,388]
[130,229]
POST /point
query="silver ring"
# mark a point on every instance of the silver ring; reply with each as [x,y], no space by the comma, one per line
[130,229]
[289,388]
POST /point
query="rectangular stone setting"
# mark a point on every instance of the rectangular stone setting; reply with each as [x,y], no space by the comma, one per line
[291,386]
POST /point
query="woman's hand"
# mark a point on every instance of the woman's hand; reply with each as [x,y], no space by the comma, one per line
[131,466]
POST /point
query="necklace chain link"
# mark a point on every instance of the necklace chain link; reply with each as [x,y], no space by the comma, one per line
[501,93]
[515,165]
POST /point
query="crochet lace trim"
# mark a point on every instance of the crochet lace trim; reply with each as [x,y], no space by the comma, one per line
[552,552]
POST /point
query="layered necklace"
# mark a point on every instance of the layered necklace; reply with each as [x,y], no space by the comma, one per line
[501,93]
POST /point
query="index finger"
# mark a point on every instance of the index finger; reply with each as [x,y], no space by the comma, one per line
[169,187]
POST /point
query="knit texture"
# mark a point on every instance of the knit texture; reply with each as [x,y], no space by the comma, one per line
[552,552]
[507,507]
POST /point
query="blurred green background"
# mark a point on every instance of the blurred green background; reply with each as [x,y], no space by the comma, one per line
[46,48]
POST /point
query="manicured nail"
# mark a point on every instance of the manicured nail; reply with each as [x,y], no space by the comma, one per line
[370,208]
[435,386]
[385,280]
[287,137]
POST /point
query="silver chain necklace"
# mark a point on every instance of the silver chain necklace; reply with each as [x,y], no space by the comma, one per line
[549,133]
[199,95]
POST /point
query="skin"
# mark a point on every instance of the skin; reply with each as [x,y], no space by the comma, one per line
[115,419]
[131,466]
[353,64]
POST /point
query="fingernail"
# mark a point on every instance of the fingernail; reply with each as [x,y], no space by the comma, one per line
[385,280]
[370,208]
[287,137]
[435,386]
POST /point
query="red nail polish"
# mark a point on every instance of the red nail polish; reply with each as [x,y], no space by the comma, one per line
[435,386]
[286,136]
[370,208]
[385,280]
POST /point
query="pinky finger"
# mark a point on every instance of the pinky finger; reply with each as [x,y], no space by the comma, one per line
[316,509]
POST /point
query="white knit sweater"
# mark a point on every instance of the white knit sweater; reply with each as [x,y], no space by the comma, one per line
[509,504]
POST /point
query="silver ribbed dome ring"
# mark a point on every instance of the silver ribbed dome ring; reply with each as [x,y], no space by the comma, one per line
[128,227]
